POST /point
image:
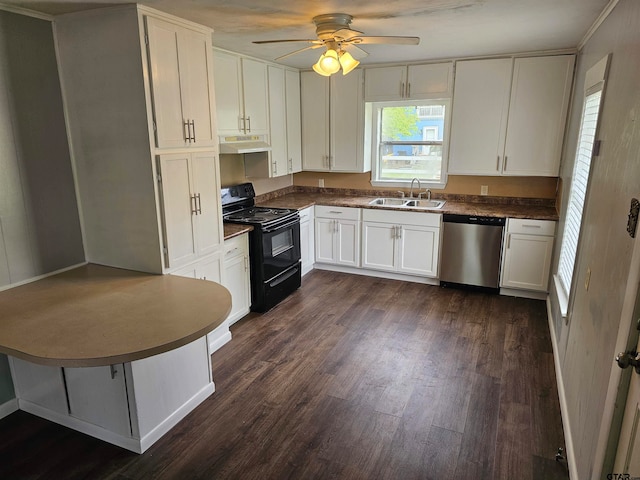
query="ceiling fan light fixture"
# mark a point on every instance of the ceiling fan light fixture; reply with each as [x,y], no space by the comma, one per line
[329,62]
[347,62]
[318,69]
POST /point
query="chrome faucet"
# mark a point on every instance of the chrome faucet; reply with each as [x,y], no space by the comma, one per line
[411,190]
[428,192]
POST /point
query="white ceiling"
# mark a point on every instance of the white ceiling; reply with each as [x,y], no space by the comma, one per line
[447,28]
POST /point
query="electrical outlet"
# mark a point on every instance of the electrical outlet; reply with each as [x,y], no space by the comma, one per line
[484,190]
[321,182]
[587,279]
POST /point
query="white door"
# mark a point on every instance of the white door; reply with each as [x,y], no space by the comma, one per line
[294,132]
[197,80]
[314,98]
[325,239]
[526,261]
[418,250]
[206,188]
[379,246]
[178,206]
[166,88]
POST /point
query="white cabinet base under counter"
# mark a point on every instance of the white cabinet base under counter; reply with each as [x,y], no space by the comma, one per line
[116,354]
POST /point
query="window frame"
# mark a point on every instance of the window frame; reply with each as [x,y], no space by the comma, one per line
[373,130]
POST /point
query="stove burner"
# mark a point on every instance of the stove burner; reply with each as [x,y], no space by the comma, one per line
[257,214]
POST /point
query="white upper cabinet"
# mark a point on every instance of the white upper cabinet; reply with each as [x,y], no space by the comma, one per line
[509,115]
[540,94]
[294,132]
[479,118]
[181,82]
[333,123]
[408,82]
[241,95]
[277,122]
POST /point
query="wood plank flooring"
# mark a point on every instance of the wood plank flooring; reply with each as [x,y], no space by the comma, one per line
[350,378]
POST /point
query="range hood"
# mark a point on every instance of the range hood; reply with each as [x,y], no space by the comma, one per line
[244,144]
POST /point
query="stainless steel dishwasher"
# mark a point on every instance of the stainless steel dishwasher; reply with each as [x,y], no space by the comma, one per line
[471,250]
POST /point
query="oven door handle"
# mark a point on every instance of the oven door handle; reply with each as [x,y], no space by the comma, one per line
[282,227]
[283,276]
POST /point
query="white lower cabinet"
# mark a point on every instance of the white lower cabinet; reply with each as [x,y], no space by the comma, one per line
[402,242]
[307,239]
[236,276]
[526,254]
[337,235]
[130,405]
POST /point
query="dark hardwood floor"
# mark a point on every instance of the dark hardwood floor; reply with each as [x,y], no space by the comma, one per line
[350,378]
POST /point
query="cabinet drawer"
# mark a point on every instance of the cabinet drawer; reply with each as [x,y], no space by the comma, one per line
[531,227]
[346,213]
[423,219]
[235,247]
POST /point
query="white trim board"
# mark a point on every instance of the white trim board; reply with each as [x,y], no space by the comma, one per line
[8,407]
[601,18]
[26,11]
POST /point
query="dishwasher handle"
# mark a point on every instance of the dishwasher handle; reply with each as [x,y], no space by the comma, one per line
[473,220]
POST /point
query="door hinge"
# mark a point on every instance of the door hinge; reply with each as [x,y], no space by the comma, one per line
[596,148]
[159,177]
[155,127]
[165,250]
[146,39]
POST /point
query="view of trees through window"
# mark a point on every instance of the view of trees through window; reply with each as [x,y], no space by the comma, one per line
[411,139]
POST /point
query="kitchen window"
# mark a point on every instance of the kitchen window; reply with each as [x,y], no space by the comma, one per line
[409,140]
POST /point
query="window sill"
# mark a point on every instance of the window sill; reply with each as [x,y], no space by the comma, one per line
[407,184]
[563,299]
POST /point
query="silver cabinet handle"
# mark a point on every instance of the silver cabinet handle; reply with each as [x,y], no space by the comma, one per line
[246,263]
[529,225]
[275,167]
[186,130]
[114,371]
[290,165]
[508,241]
[194,205]
[498,164]
[249,123]
[336,225]
[504,165]
[242,124]
[401,89]
[336,211]
[408,90]
[193,131]
[199,208]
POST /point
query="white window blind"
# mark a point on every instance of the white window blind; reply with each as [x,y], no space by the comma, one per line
[578,192]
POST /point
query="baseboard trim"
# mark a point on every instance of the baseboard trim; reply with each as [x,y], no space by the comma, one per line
[514,292]
[376,273]
[8,407]
[218,341]
[564,413]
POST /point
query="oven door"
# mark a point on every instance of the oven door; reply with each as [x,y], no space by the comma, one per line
[280,247]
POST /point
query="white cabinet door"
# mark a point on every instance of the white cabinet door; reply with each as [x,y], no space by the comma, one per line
[228,88]
[384,83]
[98,395]
[181,77]
[347,123]
[526,261]
[418,250]
[537,114]
[254,91]
[307,239]
[206,188]
[379,246]
[433,80]
[197,80]
[166,85]
[41,385]
[178,209]
[479,116]
[348,243]
[211,268]
[277,123]
[294,132]
[236,277]
[325,229]
[315,121]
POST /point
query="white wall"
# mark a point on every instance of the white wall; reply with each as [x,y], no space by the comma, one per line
[587,345]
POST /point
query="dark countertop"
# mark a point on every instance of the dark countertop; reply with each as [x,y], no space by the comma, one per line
[515,209]
[235,229]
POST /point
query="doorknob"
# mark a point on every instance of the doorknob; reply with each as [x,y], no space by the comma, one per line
[626,359]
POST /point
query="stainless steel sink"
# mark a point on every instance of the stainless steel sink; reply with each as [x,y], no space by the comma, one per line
[427,204]
[392,202]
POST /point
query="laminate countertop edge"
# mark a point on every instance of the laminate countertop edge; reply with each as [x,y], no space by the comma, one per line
[95,316]
[301,201]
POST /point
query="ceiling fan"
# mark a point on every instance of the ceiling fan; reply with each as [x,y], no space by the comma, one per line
[334,34]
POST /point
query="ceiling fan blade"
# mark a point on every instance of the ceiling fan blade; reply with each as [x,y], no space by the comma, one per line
[384,40]
[357,52]
[346,33]
[297,51]
[259,42]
